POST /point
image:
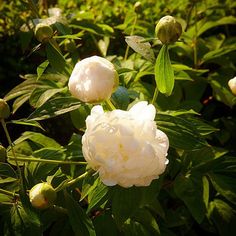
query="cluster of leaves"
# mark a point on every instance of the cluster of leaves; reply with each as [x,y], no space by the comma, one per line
[196,194]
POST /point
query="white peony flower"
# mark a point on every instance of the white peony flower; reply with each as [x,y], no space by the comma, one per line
[232,85]
[125,147]
[93,79]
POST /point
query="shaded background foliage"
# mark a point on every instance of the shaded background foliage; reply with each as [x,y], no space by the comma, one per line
[197,194]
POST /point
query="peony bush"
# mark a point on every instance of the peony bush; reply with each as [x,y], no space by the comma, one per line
[117,118]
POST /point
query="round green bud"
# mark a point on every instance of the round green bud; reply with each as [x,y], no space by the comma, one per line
[43,32]
[3,153]
[42,196]
[138,7]
[168,30]
[70,45]
[4,109]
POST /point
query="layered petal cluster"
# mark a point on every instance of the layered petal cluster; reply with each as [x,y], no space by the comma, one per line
[125,147]
[93,79]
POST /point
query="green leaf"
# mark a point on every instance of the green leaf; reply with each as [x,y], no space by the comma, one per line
[205,191]
[125,203]
[134,228]
[181,133]
[19,102]
[138,44]
[225,185]
[79,116]
[221,93]
[98,195]
[22,223]
[189,190]
[218,52]
[38,170]
[223,217]
[144,217]
[41,68]
[44,95]
[7,171]
[55,107]
[228,20]
[5,198]
[164,74]
[24,88]
[105,225]
[27,123]
[80,222]
[98,29]
[56,59]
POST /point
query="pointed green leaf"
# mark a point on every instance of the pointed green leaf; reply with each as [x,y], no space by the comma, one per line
[181,133]
[41,68]
[80,222]
[164,74]
[124,203]
[55,107]
[190,190]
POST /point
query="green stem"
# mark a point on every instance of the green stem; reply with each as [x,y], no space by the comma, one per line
[71,182]
[195,38]
[6,192]
[155,95]
[131,33]
[33,159]
[110,104]
[12,148]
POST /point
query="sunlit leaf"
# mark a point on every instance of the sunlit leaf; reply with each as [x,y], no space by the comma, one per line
[164,74]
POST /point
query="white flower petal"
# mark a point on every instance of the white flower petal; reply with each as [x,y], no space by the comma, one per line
[123,148]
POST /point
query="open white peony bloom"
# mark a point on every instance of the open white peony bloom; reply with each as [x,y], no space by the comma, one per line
[125,147]
[232,85]
[93,79]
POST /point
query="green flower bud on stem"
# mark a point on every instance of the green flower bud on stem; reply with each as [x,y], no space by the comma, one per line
[43,32]
[4,109]
[70,45]
[3,153]
[168,30]
[42,195]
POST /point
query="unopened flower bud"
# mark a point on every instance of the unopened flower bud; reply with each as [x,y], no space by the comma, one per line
[70,45]
[3,153]
[42,195]
[168,30]
[4,109]
[93,80]
[43,32]
[138,7]
[232,85]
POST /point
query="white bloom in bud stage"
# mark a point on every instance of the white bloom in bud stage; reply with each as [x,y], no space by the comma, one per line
[125,147]
[42,195]
[93,80]
[232,85]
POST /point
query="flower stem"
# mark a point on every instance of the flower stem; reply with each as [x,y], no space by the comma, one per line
[71,182]
[11,145]
[131,33]
[33,159]
[195,39]
[155,95]
[110,104]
